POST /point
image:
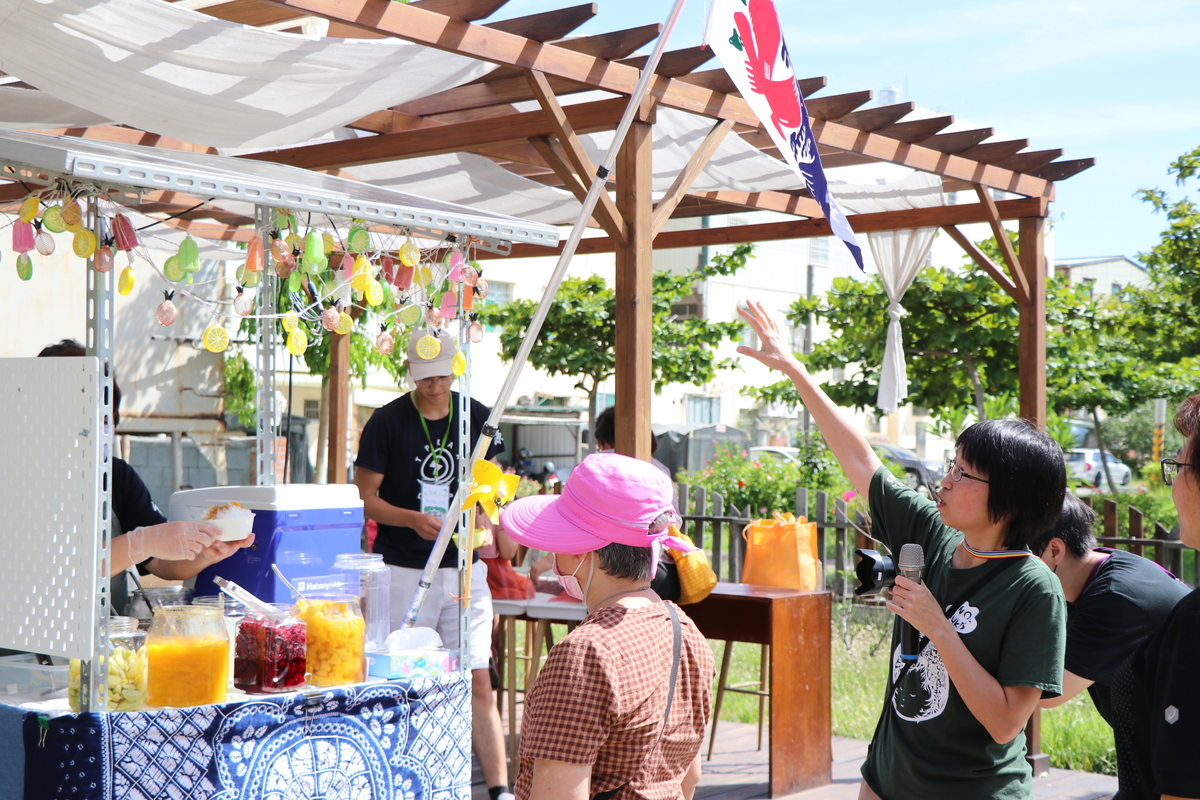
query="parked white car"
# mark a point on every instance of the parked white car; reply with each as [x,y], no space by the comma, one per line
[1084,466]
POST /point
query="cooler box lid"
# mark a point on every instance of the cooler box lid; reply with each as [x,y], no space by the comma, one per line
[190,504]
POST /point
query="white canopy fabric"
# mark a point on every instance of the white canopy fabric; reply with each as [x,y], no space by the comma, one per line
[165,69]
[899,255]
[30,109]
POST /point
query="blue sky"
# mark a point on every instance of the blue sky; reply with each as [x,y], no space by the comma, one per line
[1116,81]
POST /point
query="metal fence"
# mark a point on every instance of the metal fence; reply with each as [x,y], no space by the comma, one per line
[1164,549]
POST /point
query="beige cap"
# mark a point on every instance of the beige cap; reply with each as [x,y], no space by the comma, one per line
[437,367]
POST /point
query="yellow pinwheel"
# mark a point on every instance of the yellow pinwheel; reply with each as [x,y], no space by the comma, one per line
[491,488]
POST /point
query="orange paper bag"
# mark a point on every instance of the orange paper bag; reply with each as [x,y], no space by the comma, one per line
[781,552]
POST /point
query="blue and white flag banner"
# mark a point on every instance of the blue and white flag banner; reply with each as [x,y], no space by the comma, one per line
[748,40]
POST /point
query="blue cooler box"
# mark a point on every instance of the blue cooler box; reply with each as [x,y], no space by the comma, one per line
[300,527]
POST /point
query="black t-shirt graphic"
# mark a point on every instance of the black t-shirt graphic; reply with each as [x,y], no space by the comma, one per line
[394,444]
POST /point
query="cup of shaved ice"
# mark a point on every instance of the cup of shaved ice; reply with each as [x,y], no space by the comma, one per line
[234,520]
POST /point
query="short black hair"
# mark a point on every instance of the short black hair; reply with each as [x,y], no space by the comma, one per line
[1074,527]
[1026,473]
[69,348]
[625,561]
[606,428]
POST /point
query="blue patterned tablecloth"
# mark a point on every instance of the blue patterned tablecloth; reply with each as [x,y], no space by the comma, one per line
[401,740]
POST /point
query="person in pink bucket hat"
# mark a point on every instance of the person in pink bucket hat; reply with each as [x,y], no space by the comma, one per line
[619,709]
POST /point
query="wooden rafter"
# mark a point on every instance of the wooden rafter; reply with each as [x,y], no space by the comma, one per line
[934,217]
[683,181]
[609,46]
[606,210]
[1002,241]
[985,263]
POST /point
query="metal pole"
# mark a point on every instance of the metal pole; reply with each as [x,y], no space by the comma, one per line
[490,428]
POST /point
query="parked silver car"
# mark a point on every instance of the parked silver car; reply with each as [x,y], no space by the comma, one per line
[1083,466]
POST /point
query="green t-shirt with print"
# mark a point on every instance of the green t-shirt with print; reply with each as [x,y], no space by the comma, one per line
[928,744]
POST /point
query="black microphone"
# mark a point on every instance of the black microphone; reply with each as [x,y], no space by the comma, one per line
[910,564]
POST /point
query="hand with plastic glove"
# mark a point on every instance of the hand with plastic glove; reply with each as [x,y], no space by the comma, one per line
[171,541]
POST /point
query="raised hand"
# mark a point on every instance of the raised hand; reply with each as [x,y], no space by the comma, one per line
[773,351]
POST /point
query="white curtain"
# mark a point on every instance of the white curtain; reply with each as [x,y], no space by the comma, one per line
[899,256]
[175,72]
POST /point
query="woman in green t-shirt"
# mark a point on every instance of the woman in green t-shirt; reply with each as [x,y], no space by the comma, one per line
[991,617]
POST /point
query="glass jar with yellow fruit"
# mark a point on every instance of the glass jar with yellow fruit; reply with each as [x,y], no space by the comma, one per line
[189,656]
[336,639]
[127,670]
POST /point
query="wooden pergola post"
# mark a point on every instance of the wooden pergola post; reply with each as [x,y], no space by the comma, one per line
[1032,346]
[634,289]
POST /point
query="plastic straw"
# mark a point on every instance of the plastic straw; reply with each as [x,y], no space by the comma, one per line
[454,513]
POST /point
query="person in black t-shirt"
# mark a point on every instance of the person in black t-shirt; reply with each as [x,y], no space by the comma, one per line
[407,474]
[1156,697]
[1115,600]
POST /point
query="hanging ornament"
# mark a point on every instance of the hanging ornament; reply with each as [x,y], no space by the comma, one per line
[449,309]
[362,274]
[124,234]
[410,254]
[29,209]
[433,316]
[294,282]
[294,242]
[281,218]
[52,219]
[404,277]
[327,243]
[44,243]
[279,248]
[331,318]
[24,266]
[248,279]
[409,314]
[254,255]
[345,324]
[83,243]
[387,270]
[384,342]
[285,265]
[358,240]
[297,342]
[374,292]
[189,257]
[314,253]
[72,215]
[424,275]
[470,275]
[428,346]
[172,270]
[243,304]
[125,282]
[166,311]
[458,364]
[102,260]
[454,263]
[475,332]
[22,237]
[481,289]
[289,321]
[468,298]
[216,338]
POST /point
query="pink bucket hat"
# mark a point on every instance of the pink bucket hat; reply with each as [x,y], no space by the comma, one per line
[608,498]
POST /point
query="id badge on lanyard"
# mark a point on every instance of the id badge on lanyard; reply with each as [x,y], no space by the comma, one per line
[435,499]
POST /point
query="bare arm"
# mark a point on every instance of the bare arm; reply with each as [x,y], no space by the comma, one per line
[1072,685]
[558,780]
[844,437]
[380,510]
[691,778]
[1003,710]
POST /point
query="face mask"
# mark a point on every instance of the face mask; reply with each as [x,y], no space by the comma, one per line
[570,583]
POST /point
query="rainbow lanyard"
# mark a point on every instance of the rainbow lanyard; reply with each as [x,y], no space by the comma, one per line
[995,553]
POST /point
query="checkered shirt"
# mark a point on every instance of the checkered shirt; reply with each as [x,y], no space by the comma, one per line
[600,700]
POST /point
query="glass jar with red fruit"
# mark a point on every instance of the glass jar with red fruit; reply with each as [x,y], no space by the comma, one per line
[270,655]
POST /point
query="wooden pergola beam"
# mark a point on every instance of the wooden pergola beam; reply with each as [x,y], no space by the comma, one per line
[609,46]
[606,210]
[934,217]
[918,130]
[1002,241]
[985,263]
[434,30]
[683,181]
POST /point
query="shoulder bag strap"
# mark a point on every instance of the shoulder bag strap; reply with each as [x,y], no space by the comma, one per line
[676,650]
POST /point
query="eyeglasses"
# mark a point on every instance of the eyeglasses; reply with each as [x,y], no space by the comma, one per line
[445,380]
[1170,468]
[955,473]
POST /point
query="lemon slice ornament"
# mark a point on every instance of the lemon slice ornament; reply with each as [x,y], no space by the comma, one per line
[374,292]
[216,338]
[72,215]
[410,254]
[358,240]
[409,314]
[428,347]
[52,219]
[345,324]
[297,342]
[83,243]
[29,209]
[125,281]
[290,319]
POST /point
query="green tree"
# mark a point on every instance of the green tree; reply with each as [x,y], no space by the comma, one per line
[578,337]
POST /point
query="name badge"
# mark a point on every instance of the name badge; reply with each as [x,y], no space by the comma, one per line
[435,499]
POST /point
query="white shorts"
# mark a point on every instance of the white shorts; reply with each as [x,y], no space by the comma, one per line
[440,610]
